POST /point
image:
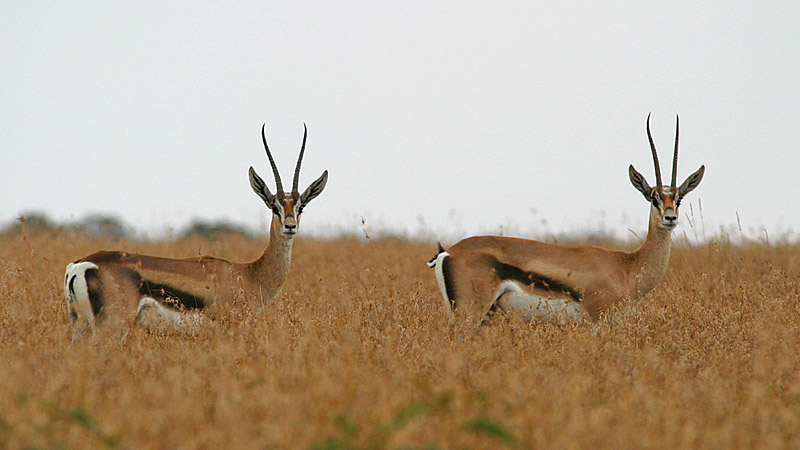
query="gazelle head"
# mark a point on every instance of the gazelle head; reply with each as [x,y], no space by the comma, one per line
[286,207]
[665,200]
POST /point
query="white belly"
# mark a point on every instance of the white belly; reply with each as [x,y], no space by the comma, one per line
[511,298]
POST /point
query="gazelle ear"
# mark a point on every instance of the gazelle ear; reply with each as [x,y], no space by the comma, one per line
[692,181]
[260,188]
[314,189]
[638,181]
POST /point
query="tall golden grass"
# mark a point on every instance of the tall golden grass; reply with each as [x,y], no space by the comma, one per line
[355,353]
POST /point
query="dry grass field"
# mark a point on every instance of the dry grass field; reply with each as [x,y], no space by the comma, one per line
[355,353]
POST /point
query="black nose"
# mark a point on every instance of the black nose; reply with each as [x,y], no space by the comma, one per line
[290,226]
[670,218]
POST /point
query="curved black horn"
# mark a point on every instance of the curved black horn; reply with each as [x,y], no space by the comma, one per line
[271,161]
[300,159]
[655,154]
[675,155]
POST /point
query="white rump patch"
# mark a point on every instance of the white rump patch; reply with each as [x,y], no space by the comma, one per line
[79,307]
[438,269]
[511,298]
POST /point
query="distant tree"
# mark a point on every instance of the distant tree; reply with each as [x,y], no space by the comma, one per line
[213,230]
[104,225]
[33,221]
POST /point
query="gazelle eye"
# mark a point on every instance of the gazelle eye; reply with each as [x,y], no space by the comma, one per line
[275,210]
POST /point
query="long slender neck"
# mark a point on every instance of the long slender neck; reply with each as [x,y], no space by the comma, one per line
[649,262]
[268,273]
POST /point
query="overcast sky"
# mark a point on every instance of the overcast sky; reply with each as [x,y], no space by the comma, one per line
[452,118]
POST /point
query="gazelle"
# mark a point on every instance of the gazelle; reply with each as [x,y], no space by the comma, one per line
[552,282]
[171,293]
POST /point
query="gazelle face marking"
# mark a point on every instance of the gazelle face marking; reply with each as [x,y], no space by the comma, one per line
[287,213]
[665,200]
[286,207]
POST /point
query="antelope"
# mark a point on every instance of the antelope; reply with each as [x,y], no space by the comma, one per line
[175,294]
[561,283]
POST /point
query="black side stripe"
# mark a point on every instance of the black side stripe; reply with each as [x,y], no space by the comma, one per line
[166,295]
[537,280]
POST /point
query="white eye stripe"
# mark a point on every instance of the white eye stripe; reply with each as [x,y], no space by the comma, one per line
[280,208]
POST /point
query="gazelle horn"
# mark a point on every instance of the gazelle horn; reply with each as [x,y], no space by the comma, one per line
[655,154]
[271,161]
[675,155]
[300,159]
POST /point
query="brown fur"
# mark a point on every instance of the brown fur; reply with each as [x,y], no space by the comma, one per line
[599,277]
[215,282]
[152,283]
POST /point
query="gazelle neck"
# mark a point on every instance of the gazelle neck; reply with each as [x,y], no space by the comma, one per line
[650,260]
[270,270]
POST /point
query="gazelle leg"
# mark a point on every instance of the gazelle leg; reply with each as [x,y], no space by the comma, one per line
[82,319]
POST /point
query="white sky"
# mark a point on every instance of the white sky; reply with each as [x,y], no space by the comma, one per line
[462,116]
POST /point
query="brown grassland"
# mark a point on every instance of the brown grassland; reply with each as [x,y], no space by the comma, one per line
[356,353]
